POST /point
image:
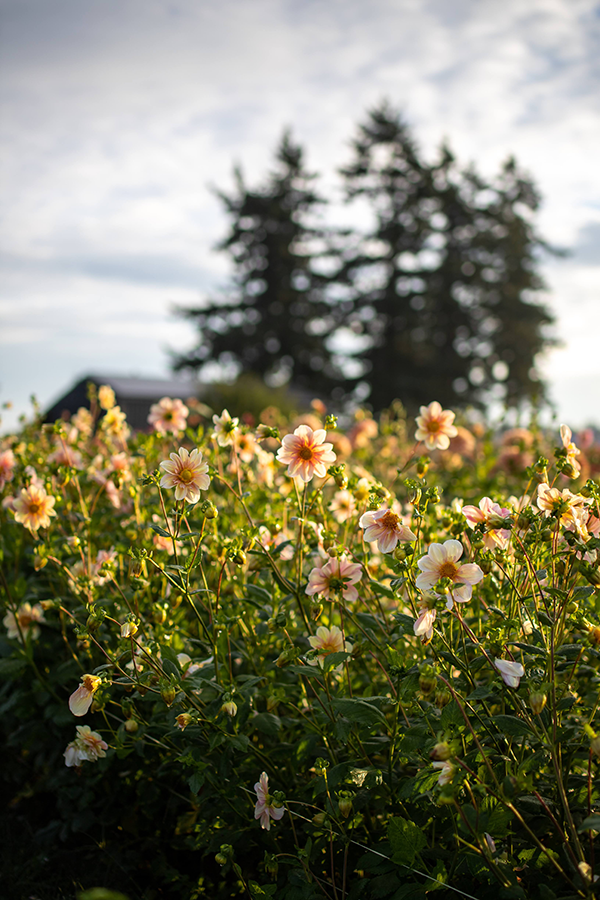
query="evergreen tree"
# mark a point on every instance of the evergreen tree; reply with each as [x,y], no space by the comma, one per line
[442,284]
[276,320]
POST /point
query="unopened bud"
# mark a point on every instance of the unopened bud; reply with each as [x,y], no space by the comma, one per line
[128,629]
[537,701]
[39,562]
[345,804]
[442,698]
[209,510]
[441,752]
[400,553]
[131,726]
[319,819]
[230,708]
[183,720]
[168,695]
[321,766]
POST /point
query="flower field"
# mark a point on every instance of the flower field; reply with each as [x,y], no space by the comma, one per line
[285,659]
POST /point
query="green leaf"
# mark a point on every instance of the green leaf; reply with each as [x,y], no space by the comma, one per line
[592,823]
[511,726]
[160,531]
[267,723]
[334,659]
[451,715]
[261,890]
[382,589]
[260,593]
[406,840]
[360,711]
[196,781]
[12,666]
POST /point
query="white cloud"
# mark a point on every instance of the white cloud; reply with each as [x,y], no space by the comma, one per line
[117,115]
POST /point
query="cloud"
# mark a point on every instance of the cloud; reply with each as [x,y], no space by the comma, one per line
[117,116]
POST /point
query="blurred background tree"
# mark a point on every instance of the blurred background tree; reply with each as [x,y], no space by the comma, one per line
[434,299]
[442,284]
[276,319]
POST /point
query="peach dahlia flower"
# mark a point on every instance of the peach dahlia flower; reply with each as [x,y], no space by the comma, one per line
[336,575]
[434,426]
[385,527]
[168,415]
[265,810]
[306,453]
[24,622]
[186,473]
[441,561]
[81,699]
[326,641]
[487,513]
[7,464]
[33,507]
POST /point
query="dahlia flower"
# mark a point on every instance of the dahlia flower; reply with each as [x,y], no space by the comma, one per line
[186,473]
[434,426]
[26,620]
[326,641]
[511,672]
[33,507]
[385,527]
[81,699]
[334,576]
[572,450]
[225,429]
[306,453]
[423,625]
[88,746]
[265,810]
[7,463]
[441,561]
[168,416]
[487,512]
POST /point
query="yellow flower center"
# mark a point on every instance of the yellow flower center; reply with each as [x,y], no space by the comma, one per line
[433,426]
[390,520]
[186,475]
[305,453]
[34,507]
[448,570]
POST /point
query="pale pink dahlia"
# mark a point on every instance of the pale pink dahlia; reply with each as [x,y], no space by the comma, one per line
[335,576]
[423,626]
[7,463]
[441,561]
[33,507]
[24,622]
[87,746]
[385,527]
[186,473]
[489,513]
[225,429]
[511,672]
[306,453]
[434,426]
[328,640]
[265,810]
[343,506]
[572,450]
[168,416]
[81,699]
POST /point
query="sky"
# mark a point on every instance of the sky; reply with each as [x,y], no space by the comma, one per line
[118,117]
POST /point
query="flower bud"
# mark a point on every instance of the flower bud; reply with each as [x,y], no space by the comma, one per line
[442,698]
[319,819]
[441,752]
[131,726]
[345,804]
[209,510]
[128,629]
[183,720]
[537,701]
[230,708]
[321,766]
[168,694]
[400,553]
[39,562]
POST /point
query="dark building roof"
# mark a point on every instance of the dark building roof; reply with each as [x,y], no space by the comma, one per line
[135,396]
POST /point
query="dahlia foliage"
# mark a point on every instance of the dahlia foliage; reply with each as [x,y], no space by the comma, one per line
[297,659]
